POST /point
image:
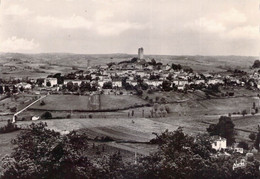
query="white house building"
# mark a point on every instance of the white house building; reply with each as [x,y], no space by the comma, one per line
[52,81]
[117,83]
[240,164]
[218,143]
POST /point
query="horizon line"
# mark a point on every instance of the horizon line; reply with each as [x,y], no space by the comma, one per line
[37,53]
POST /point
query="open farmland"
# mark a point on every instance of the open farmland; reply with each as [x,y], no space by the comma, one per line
[120,101]
[137,129]
[87,103]
[40,65]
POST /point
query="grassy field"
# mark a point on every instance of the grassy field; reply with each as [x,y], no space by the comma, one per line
[74,102]
[137,129]
[120,101]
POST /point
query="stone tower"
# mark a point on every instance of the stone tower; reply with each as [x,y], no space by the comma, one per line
[140,53]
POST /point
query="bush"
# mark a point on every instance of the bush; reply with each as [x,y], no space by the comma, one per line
[90,116]
[243,145]
[10,127]
[42,103]
[244,112]
[167,109]
[46,115]
[252,136]
[13,109]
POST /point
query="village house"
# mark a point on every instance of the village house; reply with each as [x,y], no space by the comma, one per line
[180,83]
[103,80]
[26,86]
[78,82]
[240,164]
[141,73]
[52,81]
[197,82]
[239,150]
[117,83]
[149,67]
[102,77]
[181,87]
[131,78]
[153,82]
[132,82]
[138,66]
[218,143]
[215,81]
[166,67]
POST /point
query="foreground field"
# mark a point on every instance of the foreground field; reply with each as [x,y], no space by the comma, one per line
[138,129]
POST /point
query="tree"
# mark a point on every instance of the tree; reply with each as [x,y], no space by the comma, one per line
[42,103]
[181,156]
[1,90]
[243,145]
[108,85]
[244,112]
[9,127]
[176,67]
[7,89]
[224,128]
[70,86]
[85,86]
[166,85]
[252,136]
[256,64]
[14,89]
[44,153]
[254,106]
[13,109]
[60,79]
[48,83]
[257,140]
[46,115]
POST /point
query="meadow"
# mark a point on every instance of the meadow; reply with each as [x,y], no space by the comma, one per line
[87,103]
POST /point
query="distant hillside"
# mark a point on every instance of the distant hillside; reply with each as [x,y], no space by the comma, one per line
[198,63]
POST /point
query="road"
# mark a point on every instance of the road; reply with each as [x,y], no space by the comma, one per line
[27,107]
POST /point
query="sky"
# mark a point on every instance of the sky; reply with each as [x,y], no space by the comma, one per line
[163,27]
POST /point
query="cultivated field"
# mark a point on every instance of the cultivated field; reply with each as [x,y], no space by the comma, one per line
[136,129]
[87,103]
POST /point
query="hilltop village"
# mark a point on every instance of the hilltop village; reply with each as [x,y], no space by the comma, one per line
[125,104]
[131,77]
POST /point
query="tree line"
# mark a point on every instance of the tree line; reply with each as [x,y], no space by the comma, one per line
[43,153]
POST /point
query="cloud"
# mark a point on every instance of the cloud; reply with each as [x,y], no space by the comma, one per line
[244,32]
[103,15]
[16,10]
[116,28]
[14,44]
[233,16]
[226,24]
[66,23]
[205,24]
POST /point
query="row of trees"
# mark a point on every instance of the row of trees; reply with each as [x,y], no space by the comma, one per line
[224,128]
[43,153]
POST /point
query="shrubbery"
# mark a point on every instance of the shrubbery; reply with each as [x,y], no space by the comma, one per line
[47,115]
[43,153]
[10,127]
